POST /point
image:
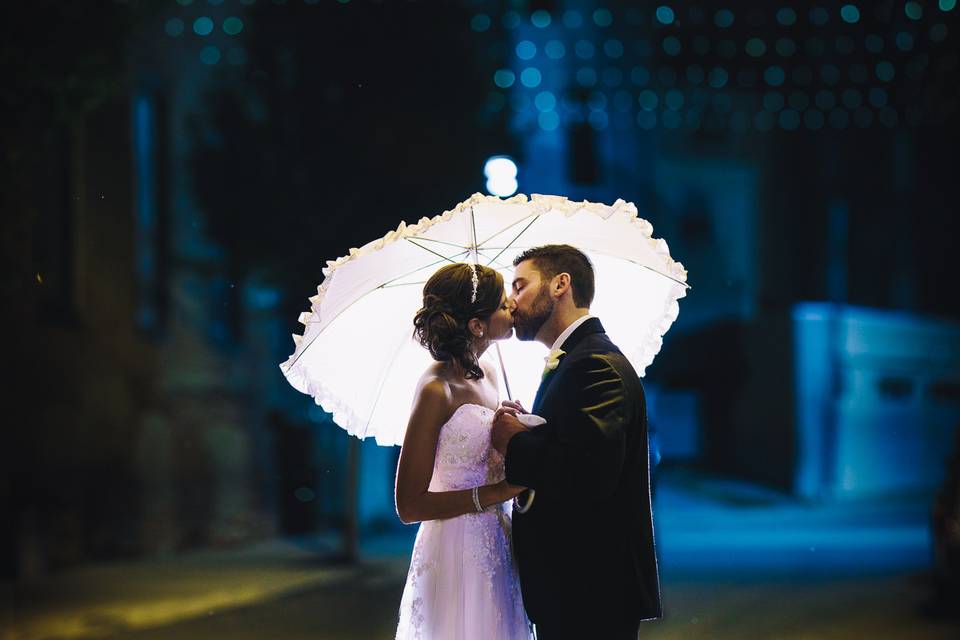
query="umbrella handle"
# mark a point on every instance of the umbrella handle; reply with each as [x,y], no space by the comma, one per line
[503,370]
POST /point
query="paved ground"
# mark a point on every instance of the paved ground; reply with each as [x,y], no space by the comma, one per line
[738,562]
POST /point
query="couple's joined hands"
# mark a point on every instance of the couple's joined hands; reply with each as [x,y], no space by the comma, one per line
[506,425]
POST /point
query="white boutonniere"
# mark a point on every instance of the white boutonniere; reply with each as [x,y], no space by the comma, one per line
[553,359]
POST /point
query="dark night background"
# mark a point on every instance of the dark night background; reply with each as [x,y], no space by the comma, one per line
[175,174]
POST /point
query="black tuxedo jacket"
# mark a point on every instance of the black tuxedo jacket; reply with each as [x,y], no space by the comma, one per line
[585,549]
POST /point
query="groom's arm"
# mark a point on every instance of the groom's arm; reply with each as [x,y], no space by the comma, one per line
[588,451]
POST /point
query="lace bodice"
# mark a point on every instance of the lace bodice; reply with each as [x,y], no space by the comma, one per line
[464,456]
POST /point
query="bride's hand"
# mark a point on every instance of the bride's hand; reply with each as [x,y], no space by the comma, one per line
[513,406]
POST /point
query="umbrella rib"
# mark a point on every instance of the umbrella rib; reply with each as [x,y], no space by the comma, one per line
[512,224]
[383,379]
[440,255]
[445,259]
[517,237]
[449,244]
[359,298]
[473,226]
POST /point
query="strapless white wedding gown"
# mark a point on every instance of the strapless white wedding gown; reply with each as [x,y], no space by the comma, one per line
[462,583]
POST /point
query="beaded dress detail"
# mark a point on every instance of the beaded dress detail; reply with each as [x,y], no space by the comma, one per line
[462,581]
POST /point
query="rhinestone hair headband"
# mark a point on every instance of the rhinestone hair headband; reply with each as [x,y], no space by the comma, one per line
[476,283]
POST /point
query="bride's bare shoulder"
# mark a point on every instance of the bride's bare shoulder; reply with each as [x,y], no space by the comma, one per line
[434,387]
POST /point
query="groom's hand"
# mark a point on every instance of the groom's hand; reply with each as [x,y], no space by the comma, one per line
[505,426]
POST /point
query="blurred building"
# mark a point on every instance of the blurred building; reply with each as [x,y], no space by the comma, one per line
[788,153]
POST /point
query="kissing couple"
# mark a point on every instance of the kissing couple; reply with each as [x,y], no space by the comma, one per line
[544,530]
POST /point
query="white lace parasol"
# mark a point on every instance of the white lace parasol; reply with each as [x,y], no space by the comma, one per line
[357,357]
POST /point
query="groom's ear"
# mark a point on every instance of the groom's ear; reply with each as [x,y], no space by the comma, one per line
[560,284]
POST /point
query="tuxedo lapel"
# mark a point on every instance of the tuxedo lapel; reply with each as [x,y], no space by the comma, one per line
[589,327]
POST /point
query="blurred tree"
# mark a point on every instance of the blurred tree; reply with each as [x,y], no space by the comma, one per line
[348,119]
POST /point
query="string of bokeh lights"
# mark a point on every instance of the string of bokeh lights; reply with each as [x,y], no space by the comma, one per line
[687,67]
[750,84]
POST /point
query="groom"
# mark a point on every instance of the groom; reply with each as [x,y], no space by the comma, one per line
[584,545]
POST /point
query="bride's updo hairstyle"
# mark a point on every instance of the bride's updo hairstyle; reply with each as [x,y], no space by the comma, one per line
[441,324]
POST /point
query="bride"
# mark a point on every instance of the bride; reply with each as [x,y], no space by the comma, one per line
[462,581]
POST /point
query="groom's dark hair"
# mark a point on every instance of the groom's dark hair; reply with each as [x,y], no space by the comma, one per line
[551,259]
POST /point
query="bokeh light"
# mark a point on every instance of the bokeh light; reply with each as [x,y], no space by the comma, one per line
[755,47]
[210,55]
[480,22]
[541,18]
[647,120]
[572,19]
[602,18]
[773,101]
[545,101]
[555,49]
[674,100]
[647,100]
[850,13]
[877,97]
[203,26]
[904,41]
[501,174]
[913,10]
[786,47]
[640,76]
[873,43]
[829,74]
[885,71]
[825,99]
[671,119]
[718,77]
[774,76]
[787,16]
[174,27]
[664,14]
[526,50]
[548,120]
[598,120]
[586,77]
[763,121]
[612,77]
[613,48]
[531,77]
[232,26]
[504,78]
[789,120]
[723,18]
[672,46]
[584,49]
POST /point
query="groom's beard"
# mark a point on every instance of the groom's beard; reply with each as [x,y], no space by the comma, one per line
[527,324]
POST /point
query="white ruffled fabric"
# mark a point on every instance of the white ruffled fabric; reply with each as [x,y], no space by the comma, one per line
[356,357]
